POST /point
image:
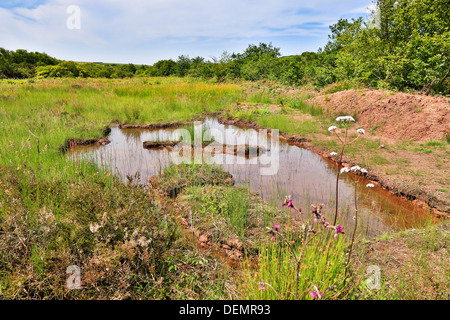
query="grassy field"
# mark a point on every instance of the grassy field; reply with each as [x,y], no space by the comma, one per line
[142,242]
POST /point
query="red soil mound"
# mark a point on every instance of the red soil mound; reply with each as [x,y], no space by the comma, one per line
[393,115]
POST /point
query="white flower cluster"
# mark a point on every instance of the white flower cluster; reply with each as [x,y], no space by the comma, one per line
[332,128]
[361,131]
[370,185]
[345,118]
[354,169]
[333,154]
[345,169]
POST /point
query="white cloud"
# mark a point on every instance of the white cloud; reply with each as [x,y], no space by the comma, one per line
[117,28]
[366,9]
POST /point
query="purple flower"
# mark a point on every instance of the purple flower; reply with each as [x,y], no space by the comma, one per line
[314,295]
[262,285]
[288,204]
[339,229]
[326,224]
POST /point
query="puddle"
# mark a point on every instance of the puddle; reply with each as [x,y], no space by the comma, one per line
[301,173]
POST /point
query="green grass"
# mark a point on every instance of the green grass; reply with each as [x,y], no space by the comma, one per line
[323,265]
[301,105]
[57,211]
[341,86]
[377,159]
[413,265]
[286,125]
[56,200]
[214,206]
[434,144]
[423,150]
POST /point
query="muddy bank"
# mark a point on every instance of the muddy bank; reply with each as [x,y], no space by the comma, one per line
[438,205]
[155,126]
[398,117]
[159,144]
[171,182]
[293,139]
[73,142]
[393,115]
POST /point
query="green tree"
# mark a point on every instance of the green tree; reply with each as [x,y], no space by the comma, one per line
[183,64]
[164,68]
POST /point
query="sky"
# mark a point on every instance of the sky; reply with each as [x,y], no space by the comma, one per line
[144,32]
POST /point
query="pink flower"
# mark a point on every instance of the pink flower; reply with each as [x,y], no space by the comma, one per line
[272,238]
[262,285]
[339,229]
[314,295]
[326,224]
[288,204]
[276,227]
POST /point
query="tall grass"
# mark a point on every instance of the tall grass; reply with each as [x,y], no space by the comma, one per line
[56,211]
[55,199]
[275,274]
[305,107]
[286,125]
[55,110]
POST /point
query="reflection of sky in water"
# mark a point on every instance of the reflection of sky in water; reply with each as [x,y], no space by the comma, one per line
[301,173]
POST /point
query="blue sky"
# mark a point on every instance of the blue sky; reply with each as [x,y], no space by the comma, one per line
[143,32]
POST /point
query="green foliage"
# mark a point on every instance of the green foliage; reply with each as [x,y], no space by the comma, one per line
[219,204]
[183,65]
[22,64]
[403,45]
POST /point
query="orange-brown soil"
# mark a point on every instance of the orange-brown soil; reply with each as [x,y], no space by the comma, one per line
[392,115]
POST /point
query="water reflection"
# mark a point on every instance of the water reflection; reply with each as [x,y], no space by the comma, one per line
[306,176]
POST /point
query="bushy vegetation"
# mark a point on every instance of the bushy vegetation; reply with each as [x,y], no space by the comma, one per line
[403,45]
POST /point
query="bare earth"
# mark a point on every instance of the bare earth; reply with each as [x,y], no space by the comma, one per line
[402,124]
[393,115]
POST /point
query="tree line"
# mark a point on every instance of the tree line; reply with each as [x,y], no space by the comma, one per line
[402,45]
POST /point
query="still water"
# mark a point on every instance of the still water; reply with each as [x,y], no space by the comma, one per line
[280,169]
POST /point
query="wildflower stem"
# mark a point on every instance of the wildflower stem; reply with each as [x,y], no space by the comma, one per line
[344,143]
[299,263]
[354,233]
[36,139]
[270,286]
